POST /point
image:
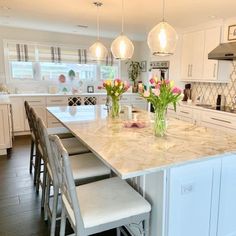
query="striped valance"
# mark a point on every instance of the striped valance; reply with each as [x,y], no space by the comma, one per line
[21,52]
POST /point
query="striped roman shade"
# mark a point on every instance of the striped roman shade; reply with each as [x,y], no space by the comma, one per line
[49,53]
[21,52]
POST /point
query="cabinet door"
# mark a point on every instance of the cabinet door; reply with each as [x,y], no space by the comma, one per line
[41,112]
[227,206]
[5,137]
[196,67]
[18,112]
[212,40]
[186,56]
[193,197]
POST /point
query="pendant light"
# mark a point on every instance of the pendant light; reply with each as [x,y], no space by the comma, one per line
[162,39]
[122,47]
[98,51]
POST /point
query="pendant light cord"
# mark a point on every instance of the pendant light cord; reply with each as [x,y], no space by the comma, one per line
[163,10]
[98,26]
[123,18]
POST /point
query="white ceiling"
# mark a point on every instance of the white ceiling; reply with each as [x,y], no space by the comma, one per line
[140,15]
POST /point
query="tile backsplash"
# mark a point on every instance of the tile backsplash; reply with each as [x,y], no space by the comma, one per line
[209,91]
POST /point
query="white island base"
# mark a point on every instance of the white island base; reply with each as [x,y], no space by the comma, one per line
[197,199]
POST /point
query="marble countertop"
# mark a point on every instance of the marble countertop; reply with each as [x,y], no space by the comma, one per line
[4,99]
[61,94]
[131,152]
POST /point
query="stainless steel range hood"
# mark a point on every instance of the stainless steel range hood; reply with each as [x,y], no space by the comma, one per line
[225,51]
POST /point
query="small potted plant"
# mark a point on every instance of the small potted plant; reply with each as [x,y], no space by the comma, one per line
[134,70]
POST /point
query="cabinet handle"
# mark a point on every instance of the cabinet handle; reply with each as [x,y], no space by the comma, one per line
[225,121]
[185,112]
[34,101]
[214,71]
[57,100]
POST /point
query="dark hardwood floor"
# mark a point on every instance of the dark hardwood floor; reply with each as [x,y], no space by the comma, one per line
[20,206]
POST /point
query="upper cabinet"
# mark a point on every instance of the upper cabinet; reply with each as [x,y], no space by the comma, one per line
[195,65]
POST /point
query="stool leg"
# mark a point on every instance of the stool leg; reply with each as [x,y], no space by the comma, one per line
[47,195]
[31,155]
[54,210]
[118,232]
[146,227]
[38,170]
[63,221]
[43,187]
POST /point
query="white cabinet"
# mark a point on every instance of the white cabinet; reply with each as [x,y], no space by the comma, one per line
[227,205]
[193,199]
[39,105]
[192,55]
[212,40]
[195,65]
[18,113]
[5,127]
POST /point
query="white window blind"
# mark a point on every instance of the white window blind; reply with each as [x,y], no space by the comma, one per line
[21,52]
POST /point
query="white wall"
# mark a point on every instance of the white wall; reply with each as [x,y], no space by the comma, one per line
[49,37]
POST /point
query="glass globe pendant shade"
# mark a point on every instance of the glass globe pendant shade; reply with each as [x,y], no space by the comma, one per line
[122,48]
[98,51]
[162,39]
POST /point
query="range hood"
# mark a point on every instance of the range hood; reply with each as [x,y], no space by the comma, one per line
[225,51]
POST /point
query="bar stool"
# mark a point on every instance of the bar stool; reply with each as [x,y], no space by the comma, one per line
[71,144]
[86,168]
[62,132]
[97,206]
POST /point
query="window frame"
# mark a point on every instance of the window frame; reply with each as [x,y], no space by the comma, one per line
[36,67]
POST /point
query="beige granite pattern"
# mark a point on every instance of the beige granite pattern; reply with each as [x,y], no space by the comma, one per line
[133,152]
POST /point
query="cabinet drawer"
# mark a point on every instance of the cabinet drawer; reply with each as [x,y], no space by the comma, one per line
[185,112]
[102,99]
[56,101]
[52,123]
[125,99]
[219,119]
[35,101]
[136,98]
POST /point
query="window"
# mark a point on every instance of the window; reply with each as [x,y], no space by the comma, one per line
[109,72]
[44,62]
[21,70]
[51,71]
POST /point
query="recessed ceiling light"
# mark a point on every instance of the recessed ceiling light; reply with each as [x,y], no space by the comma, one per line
[212,16]
[82,26]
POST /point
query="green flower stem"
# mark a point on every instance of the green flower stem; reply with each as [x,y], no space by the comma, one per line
[160,122]
[115,107]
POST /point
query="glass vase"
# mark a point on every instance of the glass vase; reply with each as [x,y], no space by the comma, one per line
[115,107]
[160,124]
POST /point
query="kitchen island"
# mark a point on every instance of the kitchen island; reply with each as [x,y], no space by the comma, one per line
[189,176]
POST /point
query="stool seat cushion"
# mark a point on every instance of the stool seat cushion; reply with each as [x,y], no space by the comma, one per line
[107,201]
[86,166]
[61,132]
[73,146]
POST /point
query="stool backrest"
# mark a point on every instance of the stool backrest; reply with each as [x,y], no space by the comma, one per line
[33,117]
[27,111]
[46,149]
[66,181]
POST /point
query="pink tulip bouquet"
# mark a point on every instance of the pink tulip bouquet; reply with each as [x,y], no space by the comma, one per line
[114,90]
[162,93]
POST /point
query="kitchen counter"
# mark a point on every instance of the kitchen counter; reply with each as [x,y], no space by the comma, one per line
[4,99]
[61,94]
[132,152]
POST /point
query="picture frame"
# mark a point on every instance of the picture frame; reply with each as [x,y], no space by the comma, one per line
[231,32]
[90,89]
[143,65]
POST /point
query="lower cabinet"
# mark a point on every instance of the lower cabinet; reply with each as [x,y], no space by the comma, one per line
[227,204]
[193,195]
[5,128]
[18,113]
[202,198]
